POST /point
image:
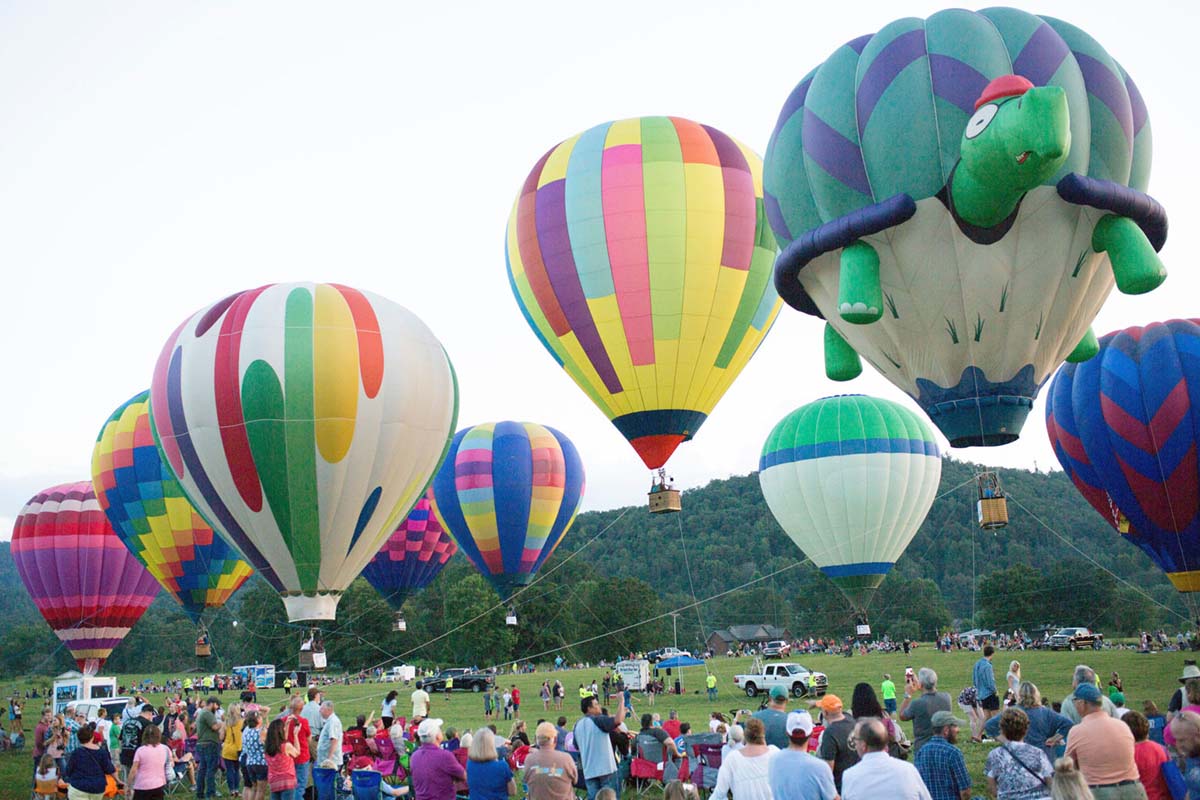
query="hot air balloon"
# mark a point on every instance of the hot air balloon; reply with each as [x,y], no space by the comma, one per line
[508,492]
[1124,426]
[87,585]
[640,255]
[412,556]
[850,480]
[955,197]
[151,515]
[304,420]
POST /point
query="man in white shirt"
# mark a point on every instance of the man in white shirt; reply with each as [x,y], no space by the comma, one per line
[420,703]
[329,745]
[877,774]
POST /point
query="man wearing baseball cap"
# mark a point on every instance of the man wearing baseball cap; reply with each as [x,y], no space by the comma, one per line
[793,773]
[434,770]
[941,764]
[1102,748]
[774,718]
[835,747]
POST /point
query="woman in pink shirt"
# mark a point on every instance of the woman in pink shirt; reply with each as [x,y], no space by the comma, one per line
[1191,693]
[1149,756]
[151,765]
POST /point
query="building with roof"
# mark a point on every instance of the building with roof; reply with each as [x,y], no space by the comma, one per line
[723,640]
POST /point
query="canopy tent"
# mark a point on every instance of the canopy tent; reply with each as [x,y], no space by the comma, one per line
[675,662]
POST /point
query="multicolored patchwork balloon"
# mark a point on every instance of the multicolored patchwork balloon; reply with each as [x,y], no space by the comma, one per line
[1125,426]
[956,197]
[412,557]
[850,479]
[508,492]
[151,515]
[640,255]
[82,578]
[304,420]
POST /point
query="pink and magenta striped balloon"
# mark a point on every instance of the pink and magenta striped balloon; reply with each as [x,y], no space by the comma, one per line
[412,556]
[83,579]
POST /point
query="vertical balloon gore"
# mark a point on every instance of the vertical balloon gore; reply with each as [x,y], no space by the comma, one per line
[413,556]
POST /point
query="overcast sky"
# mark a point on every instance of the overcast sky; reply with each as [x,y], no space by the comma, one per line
[156,156]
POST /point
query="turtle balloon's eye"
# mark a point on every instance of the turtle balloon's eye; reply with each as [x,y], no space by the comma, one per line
[983,117]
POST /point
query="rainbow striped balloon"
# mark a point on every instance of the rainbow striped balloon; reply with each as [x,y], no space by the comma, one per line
[87,585]
[304,420]
[508,492]
[413,556]
[152,516]
[640,255]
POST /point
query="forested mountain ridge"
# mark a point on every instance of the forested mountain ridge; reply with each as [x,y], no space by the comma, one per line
[625,570]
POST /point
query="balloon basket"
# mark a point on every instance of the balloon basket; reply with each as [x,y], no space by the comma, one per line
[992,508]
[663,497]
[400,624]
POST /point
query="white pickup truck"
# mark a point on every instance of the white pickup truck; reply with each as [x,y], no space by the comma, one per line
[793,677]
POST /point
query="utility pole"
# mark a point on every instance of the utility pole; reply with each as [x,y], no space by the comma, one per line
[675,628]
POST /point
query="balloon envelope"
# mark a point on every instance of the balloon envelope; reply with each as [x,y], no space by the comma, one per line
[640,255]
[1124,425]
[304,420]
[82,578]
[412,556]
[850,479]
[152,516]
[508,492]
[972,325]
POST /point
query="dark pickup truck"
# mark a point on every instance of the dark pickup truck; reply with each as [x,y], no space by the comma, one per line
[1076,639]
[464,681]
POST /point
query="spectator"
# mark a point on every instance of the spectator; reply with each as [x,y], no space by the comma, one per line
[747,771]
[794,774]
[550,773]
[299,733]
[151,766]
[887,690]
[774,718]
[329,744]
[281,754]
[208,749]
[231,748]
[595,748]
[1102,748]
[420,703]
[488,778]
[941,764]
[254,757]
[1191,693]
[835,748]
[922,708]
[671,726]
[1047,727]
[131,734]
[1084,675]
[1068,783]
[1013,679]
[1185,727]
[87,767]
[1149,756]
[736,741]
[1017,770]
[387,708]
[1157,721]
[983,678]
[434,770]
[1118,701]
[877,775]
[659,735]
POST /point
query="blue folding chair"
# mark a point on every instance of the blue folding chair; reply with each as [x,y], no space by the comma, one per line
[365,784]
[324,781]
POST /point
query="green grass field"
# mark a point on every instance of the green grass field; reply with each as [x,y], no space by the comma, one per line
[1146,677]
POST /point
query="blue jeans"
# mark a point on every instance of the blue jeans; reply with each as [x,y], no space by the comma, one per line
[286,794]
[302,771]
[233,774]
[208,762]
[594,785]
[712,694]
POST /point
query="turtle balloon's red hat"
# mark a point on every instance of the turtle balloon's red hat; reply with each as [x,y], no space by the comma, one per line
[1004,86]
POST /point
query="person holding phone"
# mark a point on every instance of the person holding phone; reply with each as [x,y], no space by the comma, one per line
[921,701]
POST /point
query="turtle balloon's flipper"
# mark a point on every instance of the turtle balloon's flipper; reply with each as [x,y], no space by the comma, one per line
[1136,267]
[860,297]
[1087,347]
[841,362]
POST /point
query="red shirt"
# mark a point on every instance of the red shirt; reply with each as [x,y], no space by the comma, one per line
[671,726]
[516,696]
[292,721]
[1149,757]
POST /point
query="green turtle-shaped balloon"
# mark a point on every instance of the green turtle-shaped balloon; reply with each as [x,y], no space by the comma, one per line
[949,194]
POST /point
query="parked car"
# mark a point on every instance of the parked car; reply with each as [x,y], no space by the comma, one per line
[1076,639]
[113,706]
[777,649]
[793,677]
[663,653]
[464,681]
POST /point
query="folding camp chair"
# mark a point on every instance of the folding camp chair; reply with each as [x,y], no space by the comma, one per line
[707,760]
[324,782]
[385,761]
[365,784]
[648,764]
